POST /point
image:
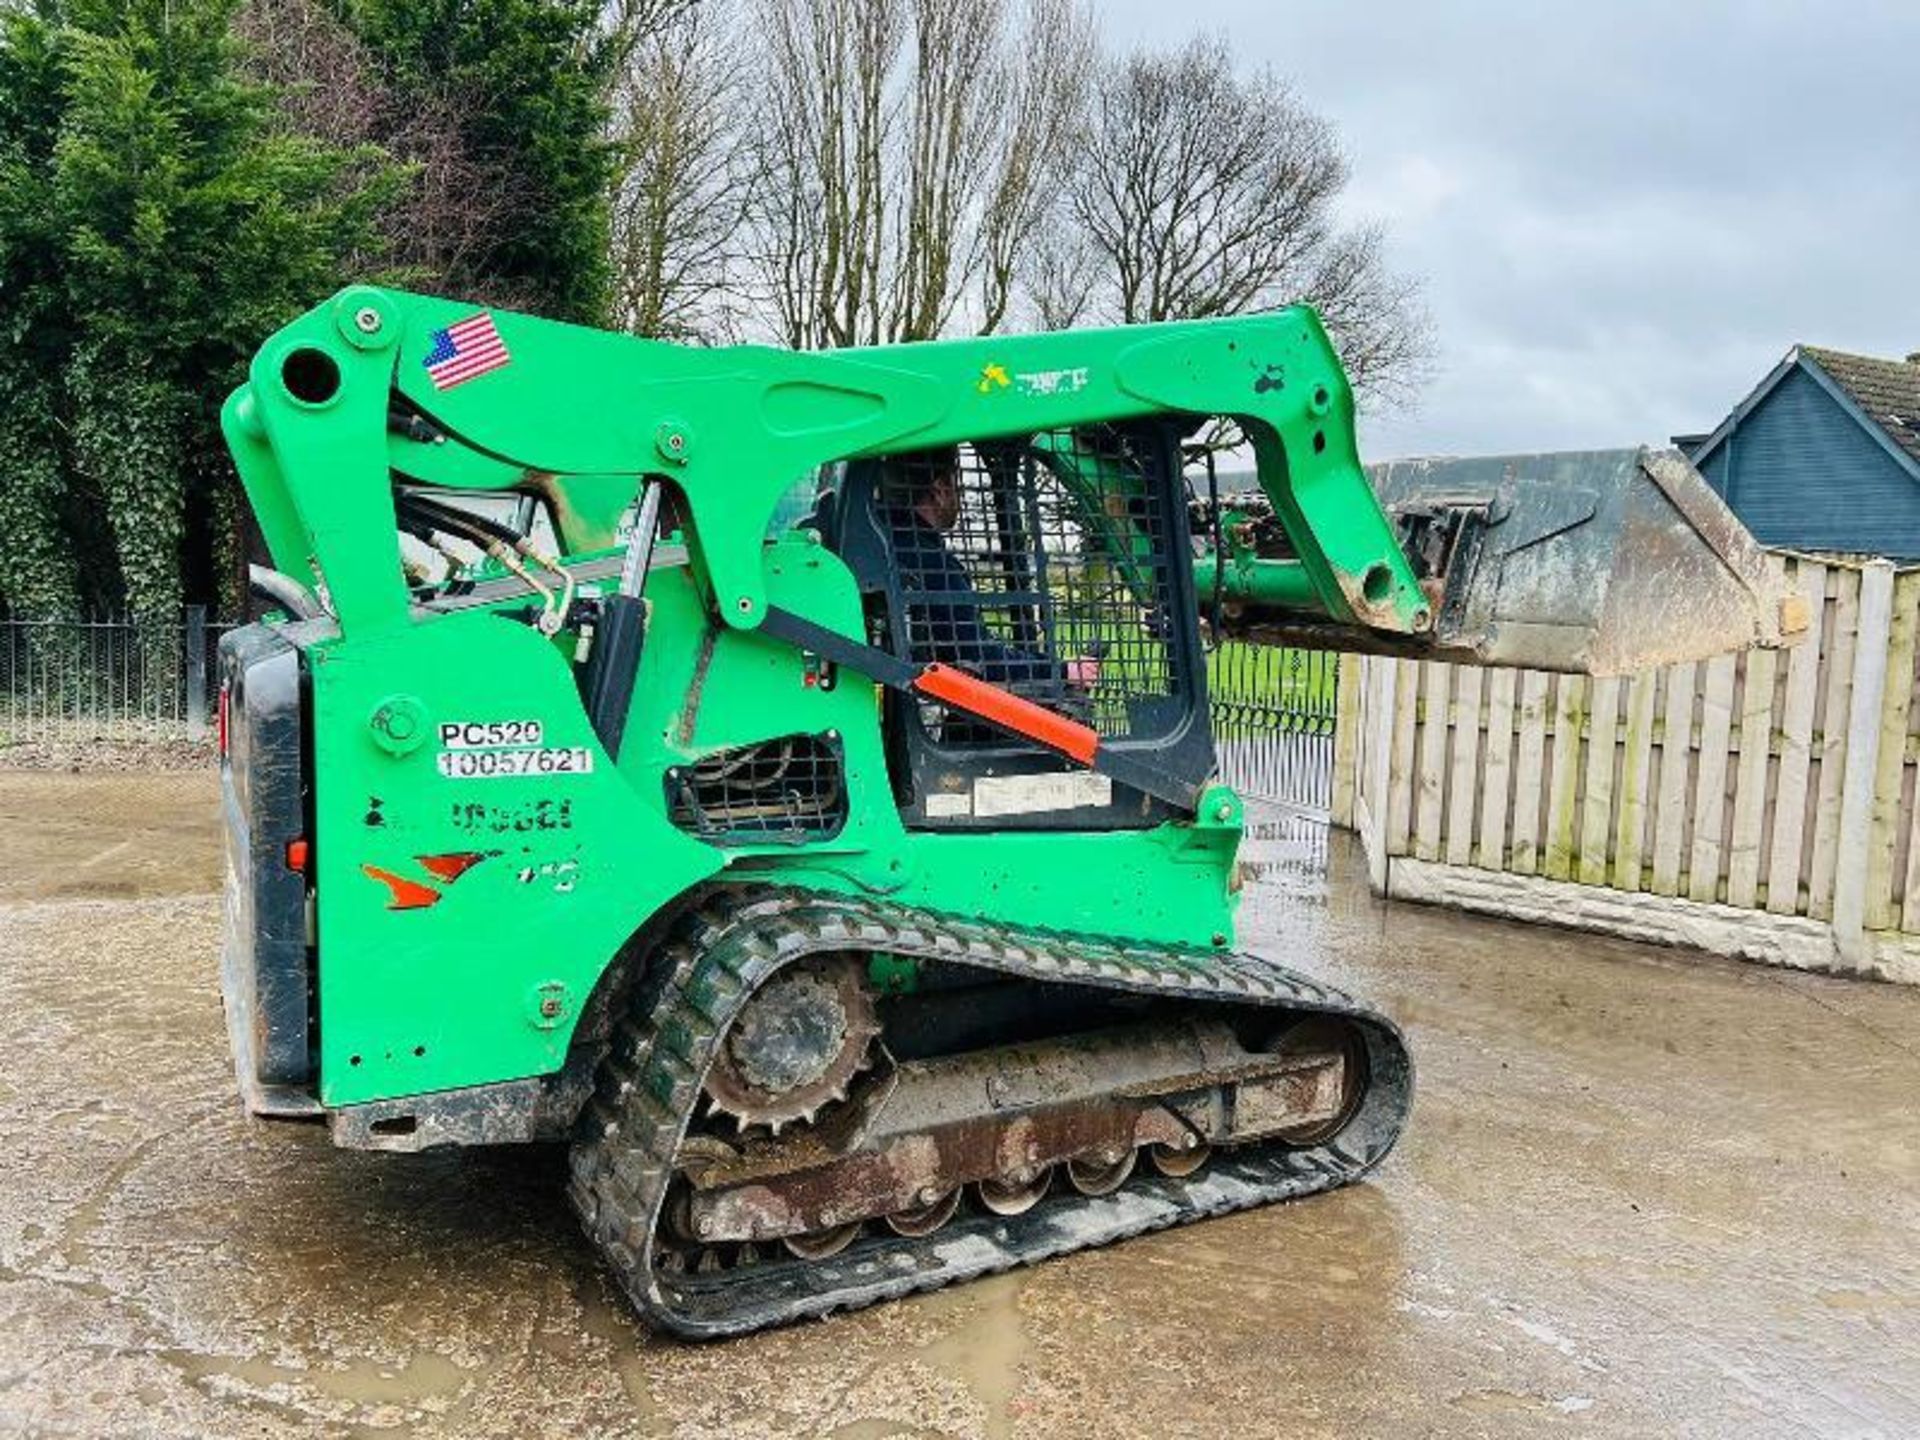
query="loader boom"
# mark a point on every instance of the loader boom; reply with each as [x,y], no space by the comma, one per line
[583,415]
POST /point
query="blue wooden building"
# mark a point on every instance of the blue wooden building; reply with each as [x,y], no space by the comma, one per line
[1824,455]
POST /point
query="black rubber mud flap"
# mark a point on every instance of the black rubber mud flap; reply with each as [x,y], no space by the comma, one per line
[266,975]
[729,946]
[613,667]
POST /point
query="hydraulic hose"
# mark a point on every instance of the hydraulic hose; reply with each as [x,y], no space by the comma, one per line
[502,543]
[285,591]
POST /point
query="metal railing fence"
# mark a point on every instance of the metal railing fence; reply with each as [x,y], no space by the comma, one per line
[115,679]
[1274,710]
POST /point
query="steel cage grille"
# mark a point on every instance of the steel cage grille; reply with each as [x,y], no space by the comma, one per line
[1015,559]
[788,789]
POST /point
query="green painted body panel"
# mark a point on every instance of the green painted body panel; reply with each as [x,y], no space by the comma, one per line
[484,980]
[449,994]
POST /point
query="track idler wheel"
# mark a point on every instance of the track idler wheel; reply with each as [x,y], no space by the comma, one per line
[1101,1173]
[1322,1035]
[1012,1196]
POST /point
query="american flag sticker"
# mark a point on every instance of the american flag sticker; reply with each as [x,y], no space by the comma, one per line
[465,350]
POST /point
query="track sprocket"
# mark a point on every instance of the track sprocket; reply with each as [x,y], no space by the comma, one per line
[796,1045]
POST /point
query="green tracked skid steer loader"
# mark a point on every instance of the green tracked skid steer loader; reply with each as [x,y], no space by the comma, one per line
[787,777]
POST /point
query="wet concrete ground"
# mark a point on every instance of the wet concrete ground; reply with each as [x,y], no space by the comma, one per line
[1642,1194]
[106,836]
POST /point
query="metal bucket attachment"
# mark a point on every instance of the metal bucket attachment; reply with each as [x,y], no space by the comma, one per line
[1597,562]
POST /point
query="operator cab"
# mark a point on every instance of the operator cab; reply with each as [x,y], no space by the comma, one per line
[1054,566]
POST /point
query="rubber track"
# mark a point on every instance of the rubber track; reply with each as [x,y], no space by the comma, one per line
[728,945]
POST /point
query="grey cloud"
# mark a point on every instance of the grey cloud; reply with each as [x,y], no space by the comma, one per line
[1624,214]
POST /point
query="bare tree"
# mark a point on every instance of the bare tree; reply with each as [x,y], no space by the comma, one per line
[680,200]
[1062,275]
[954,86]
[1199,191]
[906,153]
[1046,105]
[331,88]
[819,196]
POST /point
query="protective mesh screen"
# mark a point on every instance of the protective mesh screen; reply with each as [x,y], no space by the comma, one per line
[791,788]
[1041,566]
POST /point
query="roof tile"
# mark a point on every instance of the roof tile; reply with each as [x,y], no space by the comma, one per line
[1888,390]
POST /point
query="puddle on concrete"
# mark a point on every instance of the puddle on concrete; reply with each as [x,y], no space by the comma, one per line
[424,1377]
[985,1354]
[1287,848]
[606,1318]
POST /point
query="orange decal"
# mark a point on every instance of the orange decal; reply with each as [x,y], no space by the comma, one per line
[407,894]
[451,867]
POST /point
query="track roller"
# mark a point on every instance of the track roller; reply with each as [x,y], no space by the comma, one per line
[1178,1164]
[1101,1174]
[926,1217]
[1012,1197]
[822,1244]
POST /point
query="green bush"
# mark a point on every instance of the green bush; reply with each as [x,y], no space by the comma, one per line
[156,222]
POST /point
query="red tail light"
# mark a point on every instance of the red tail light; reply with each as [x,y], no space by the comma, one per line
[221,723]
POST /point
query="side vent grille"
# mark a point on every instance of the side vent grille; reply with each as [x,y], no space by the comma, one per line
[791,790]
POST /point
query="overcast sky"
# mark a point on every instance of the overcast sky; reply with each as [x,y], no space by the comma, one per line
[1624,213]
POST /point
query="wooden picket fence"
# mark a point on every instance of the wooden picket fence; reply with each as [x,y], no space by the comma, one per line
[1760,805]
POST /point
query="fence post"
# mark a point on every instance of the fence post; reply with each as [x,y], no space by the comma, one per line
[196,672]
[1863,759]
[1380,721]
[1348,720]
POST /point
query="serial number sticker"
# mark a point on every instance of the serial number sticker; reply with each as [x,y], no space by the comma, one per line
[501,764]
[486,734]
[997,795]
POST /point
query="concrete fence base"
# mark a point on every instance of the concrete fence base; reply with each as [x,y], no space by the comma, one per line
[1792,941]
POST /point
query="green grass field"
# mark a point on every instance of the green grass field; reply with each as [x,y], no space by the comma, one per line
[1273,675]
